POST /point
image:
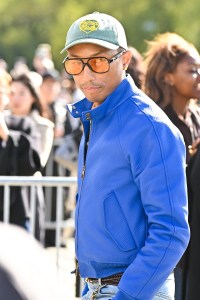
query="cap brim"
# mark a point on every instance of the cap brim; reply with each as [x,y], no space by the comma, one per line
[92,41]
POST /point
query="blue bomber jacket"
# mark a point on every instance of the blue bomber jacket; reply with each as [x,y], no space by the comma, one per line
[131,212]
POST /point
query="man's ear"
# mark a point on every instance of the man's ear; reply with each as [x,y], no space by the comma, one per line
[126,58]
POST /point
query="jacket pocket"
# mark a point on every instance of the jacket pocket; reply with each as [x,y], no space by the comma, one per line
[116,224]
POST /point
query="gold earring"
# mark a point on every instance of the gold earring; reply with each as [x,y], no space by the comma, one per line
[125,67]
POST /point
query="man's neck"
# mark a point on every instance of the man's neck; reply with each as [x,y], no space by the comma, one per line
[96,104]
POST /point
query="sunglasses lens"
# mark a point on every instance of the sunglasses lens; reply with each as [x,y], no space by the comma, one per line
[99,64]
[96,64]
[73,66]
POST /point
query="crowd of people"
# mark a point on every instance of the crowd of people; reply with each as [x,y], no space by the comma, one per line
[33,116]
[33,122]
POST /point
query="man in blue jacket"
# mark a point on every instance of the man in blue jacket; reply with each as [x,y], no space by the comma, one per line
[131,213]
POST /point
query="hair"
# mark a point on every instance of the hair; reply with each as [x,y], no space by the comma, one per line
[136,67]
[5,78]
[163,55]
[26,81]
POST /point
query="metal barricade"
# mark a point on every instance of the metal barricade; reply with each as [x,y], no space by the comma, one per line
[33,182]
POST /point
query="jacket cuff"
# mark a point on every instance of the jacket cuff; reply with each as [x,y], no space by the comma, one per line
[122,296]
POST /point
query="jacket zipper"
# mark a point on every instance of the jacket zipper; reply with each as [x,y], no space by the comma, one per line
[83,172]
[82,177]
[85,152]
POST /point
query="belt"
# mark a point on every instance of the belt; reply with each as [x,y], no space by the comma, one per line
[110,280]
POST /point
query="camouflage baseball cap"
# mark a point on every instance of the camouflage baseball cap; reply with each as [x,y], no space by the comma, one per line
[96,28]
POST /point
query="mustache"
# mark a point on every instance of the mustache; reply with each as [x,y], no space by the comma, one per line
[90,85]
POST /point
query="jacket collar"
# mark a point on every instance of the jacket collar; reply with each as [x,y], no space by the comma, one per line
[83,109]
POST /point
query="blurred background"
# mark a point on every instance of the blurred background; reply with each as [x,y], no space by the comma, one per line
[25,24]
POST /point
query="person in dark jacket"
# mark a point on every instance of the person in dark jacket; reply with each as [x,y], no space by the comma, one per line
[25,143]
[173,81]
[131,209]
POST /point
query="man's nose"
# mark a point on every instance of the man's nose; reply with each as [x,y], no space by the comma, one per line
[87,72]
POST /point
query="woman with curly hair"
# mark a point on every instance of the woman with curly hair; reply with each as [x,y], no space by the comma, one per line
[173,81]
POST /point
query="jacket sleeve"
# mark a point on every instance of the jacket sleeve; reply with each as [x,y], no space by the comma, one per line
[158,168]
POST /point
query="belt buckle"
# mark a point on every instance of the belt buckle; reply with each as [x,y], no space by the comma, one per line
[91,280]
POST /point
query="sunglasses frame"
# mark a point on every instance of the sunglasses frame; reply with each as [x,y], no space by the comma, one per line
[115,57]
